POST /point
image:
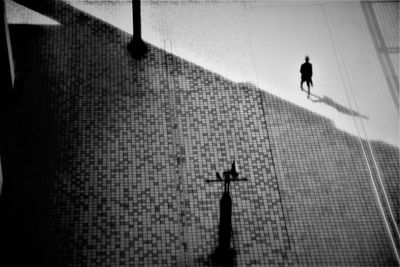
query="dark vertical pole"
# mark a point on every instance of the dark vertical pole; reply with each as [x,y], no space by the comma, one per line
[137,26]
[6,86]
[225,223]
[224,254]
[137,47]
[7,80]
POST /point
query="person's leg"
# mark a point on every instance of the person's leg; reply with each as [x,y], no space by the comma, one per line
[301,84]
[308,86]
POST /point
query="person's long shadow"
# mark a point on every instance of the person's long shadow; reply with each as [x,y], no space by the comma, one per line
[330,102]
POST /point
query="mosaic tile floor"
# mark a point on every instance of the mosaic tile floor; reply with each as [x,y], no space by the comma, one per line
[111,154]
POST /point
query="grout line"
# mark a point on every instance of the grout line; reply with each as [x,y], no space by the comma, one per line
[391,216]
[384,59]
[268,137]
[175,136]
[359,135]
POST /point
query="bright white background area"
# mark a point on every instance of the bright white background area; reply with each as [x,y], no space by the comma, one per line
[264,43]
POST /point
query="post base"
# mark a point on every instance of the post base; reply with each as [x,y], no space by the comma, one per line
[224,257]
[137,48]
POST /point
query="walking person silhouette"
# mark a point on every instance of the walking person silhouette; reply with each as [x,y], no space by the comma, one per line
[306,74]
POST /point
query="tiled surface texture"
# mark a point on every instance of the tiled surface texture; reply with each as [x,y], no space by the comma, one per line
[109,157]
[327,189]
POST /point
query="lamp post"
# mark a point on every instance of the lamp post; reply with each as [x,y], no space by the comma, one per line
[136,46]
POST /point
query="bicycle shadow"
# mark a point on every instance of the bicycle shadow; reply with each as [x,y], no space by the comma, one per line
[330,102]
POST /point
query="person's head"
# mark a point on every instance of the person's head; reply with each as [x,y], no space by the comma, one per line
[307,58]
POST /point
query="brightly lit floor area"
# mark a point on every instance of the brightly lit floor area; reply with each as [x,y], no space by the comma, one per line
[106,157]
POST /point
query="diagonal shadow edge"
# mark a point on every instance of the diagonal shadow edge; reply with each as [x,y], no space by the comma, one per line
[52,9]
[176,61]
